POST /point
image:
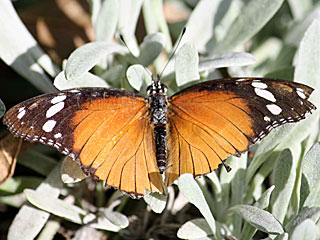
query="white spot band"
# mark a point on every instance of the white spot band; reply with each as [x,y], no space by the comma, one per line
[49,125]
[58,99]
[274,109]
[265,94]
[55,109]
[259,85]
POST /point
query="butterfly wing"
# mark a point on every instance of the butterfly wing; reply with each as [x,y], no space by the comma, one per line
[212,120]
[106,130]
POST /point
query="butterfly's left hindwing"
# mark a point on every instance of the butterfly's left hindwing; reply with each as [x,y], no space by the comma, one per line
[106,130]
[212,120]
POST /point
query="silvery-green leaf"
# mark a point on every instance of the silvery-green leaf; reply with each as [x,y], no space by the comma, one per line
[2,108]
[260,219]
[311,172]
[312,213]
[191,190]
[248,231]
[55,206]
[284,177]
[87,56]
[296,31]
[137,76]
[71,171]
[106,21]
[150,48]
[117,218]
[22,227]
[112,74]
[263,201]
[300,7]
[186,64]
[307,230]
[248,23]
[156,201]
[200,25]
[308,65]
[104,223]
[225,60]
[196,228]
[85,80]
[19,50]
[50,230]
[155,21]
[127,22]
[15,200]
[95,6]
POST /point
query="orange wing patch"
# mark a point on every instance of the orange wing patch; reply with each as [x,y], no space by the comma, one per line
[204,129]
[114,141]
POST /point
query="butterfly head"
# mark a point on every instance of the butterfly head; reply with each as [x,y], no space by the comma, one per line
[156,88]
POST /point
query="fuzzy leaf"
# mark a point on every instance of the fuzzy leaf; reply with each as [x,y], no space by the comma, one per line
[85,80]
[248,23]
[55,206]
[312,213]
[261,219]
[200,25]
[307,69]
[87,56]
[307,230]
[225,60]
[156,201]
[186,64]
[19,50]
[2,108]
[284,180]
[137,76]
[191,190]
[106,21]
[311,172]
[22,227]
[196,228]
[150,48]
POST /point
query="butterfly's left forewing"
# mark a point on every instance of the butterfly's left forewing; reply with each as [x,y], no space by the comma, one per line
[212,120]
[106,130]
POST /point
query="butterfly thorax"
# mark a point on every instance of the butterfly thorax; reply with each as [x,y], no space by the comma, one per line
[158,101]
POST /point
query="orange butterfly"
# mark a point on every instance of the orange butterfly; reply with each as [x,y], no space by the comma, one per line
[129,141]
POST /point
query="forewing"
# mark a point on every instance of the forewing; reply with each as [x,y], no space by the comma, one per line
[106,130]
[212,120]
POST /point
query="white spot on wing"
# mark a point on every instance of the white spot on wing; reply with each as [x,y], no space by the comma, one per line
[58,99]
[74,91]
[241,80]
[267,119]
[274,109]
[49,125]
[301,94]
[265,94]
[21,114]
[57,135]
[21,109]
[54,109]
[259,85]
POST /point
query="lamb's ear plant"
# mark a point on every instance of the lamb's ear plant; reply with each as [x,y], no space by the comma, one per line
[272,192]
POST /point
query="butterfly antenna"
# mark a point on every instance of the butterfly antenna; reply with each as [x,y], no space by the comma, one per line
[124,42]
[174,50]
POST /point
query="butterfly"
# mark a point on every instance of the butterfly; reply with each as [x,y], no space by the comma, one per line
[140,145]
